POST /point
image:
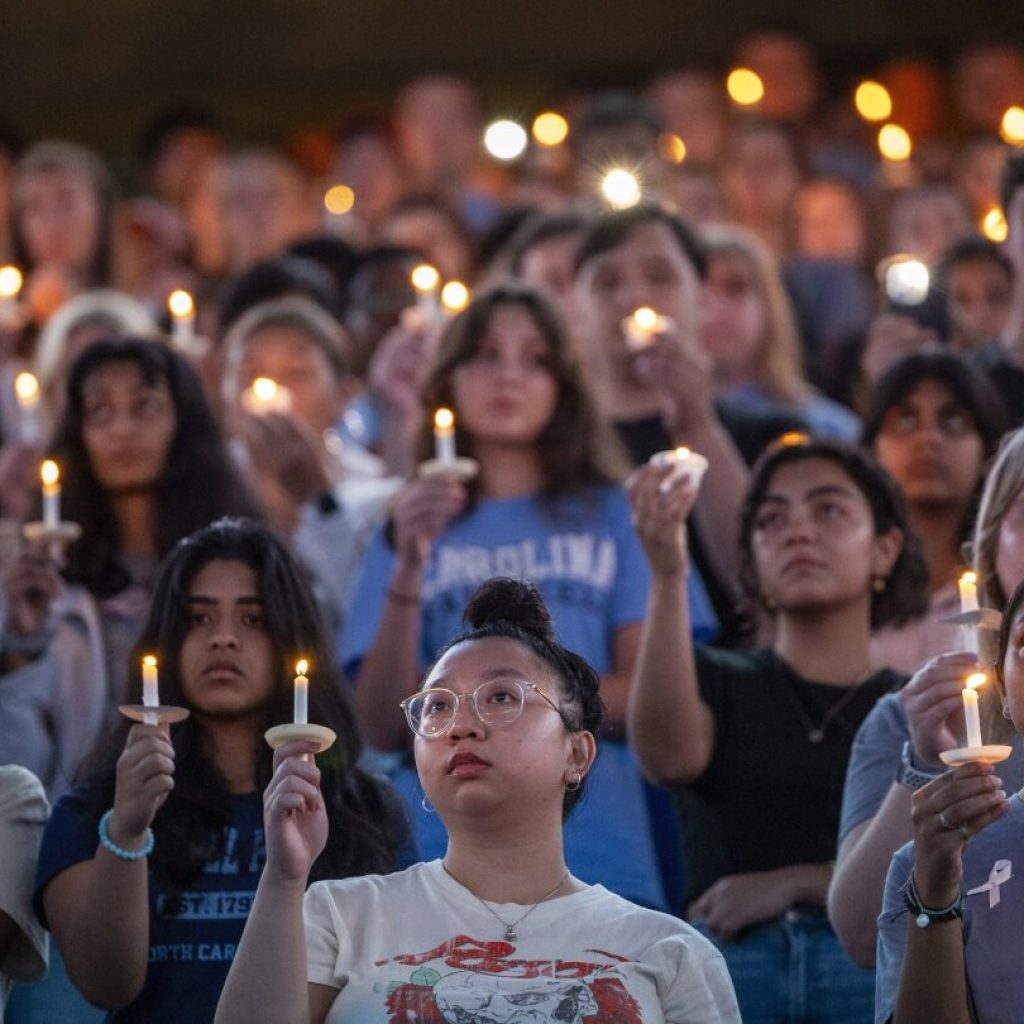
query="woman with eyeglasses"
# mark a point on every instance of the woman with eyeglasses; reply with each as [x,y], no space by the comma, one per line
[505,736]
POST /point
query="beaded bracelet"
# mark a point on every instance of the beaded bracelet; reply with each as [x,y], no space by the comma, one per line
[924,916]
[119,851]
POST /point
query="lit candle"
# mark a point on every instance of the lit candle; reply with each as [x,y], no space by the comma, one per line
[621,188]
[684,463]
[444,435]
[970,693]
[26,390]
[896,146]
[642,326]
[11,280]
[266,396]
[49,473]
[183,315]
[455,297]
[300,713]
[968,592]
[745,87]
[150,682]
[426,280]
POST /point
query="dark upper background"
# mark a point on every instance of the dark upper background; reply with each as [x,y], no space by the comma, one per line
[97,71]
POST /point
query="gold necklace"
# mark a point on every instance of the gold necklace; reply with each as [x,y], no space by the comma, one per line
[510,928]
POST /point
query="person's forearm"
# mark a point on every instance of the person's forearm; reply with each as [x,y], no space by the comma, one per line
[390,668]
[103,935]
[855,896]
[933,984]
[808,883]
[267,980]
[717,511]
[668,724]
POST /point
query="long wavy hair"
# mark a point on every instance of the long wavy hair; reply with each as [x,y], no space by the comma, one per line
[576,449]
[197,485]
[366,827]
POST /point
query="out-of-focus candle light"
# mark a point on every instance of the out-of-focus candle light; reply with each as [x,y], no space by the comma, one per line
[49,474]
[745,87]
[671,147]
[444,435]
[339,199]
[549,129]
[894,143]
[505,140]
[640,328]
[265,396]
[183,314]
[1011,128]
[970,697]
[455,297]
[994,226]
[906,280]
[11,280]
[621,188]
[26,391]
[873,101]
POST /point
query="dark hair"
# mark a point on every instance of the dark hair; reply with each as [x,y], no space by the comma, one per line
[274,279]
[905,595]
[576,447]
[198,482]
[338,258]
[514,609]
[170,123]
[1009,614]
[613,111]
[611,230]
[539,228]
[968,250]
[1011,178]
[428,202]
[365,826]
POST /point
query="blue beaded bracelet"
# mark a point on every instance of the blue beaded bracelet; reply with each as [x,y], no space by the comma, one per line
[144,851]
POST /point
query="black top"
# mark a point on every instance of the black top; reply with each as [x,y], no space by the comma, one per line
[770,797]
[1007,377]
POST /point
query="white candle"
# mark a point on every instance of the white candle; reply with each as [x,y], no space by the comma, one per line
[444,435]
[300,712]
[684,463]
[640,328]
[150,682]
[49,473]
[183,315]
[970,694]
[11,280]
[265,396]
[968,585]
[26,390]
[426,280]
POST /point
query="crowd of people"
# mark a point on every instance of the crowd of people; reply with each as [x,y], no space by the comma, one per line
[640,666]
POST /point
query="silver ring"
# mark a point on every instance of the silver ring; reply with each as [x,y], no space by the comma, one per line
[963,831]
[945,822]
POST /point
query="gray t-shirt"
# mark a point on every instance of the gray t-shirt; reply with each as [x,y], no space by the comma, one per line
[993,883]
[875,759]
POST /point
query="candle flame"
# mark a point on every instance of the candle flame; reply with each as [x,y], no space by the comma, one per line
[455,296]
[264,389]
[149,660]
[671,147]
[550,128]
[444,419]
[894,142]
[301,667]
[645,318]
[994,226]
[425,278]
[49,473]
[745,87]
[180,303]
[11,280]
[873,101]
[621,188]
[1011,128]
[969,577]
[26,387]
[975,679]
[682,453]
[339,199]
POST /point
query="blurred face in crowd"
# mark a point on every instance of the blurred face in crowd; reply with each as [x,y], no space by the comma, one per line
[829,222]
[432,233]
[1014,245]
[649,268]
[931,446]
[506,392]
[735,320]
[368,164]
[979,293]
[988,80]
[549,265]
[58,213]
[761,176]
[926,223]
[181,161]
[128,426]
[287,355]
[692,104]
[265,205]
[696,192]
[788,70]
[377,295]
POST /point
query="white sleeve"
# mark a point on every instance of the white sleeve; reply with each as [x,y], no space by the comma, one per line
[326,935]
[701,991]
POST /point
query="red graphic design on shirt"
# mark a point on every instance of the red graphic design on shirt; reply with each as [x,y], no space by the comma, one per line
[474,982]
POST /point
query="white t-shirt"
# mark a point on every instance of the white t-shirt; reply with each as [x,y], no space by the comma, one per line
[416,946]
[23,811]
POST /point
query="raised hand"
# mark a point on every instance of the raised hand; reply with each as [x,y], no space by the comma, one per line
[660,505]
[420,512]
[294,815]
[144,779]
[31,583]
[934,705]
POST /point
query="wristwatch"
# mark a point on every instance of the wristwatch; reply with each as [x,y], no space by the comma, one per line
[909,774]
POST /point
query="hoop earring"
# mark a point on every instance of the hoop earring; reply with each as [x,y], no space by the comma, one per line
[426,804]
[879,583]
[574,785]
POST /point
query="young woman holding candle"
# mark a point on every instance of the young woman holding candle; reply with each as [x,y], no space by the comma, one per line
[897,749]
[933,423]
[757,742]
[545,506]
[506,727]
[949,932]
[147,871]
[141,464]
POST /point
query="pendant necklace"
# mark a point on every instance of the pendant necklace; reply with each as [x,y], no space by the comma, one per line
[510,928]
[816,733]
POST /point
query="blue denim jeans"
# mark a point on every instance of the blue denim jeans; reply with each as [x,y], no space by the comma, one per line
[793,971]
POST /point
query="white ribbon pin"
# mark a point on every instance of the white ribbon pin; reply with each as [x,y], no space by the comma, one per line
[1002,872]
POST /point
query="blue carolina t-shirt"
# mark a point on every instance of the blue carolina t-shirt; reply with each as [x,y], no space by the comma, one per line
[192,941]
[585,558]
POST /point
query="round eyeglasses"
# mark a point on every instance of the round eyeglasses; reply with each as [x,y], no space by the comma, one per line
[497,703]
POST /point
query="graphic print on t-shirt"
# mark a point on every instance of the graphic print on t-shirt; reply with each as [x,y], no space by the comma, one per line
[468,981]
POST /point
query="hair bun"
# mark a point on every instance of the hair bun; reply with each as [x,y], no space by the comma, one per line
[516,602]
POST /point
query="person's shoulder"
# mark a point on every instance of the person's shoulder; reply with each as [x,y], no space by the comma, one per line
[736,665]
[372,889]
[19,786]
